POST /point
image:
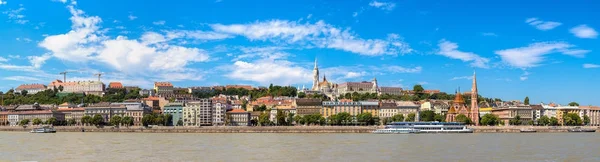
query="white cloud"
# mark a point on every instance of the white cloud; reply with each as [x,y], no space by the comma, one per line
[196,34]
[266,71]
[2,59]
[588,66]
[62,1]
[584,31]
[38,61]
[489,34]
[27,40]
[542,25]
[354,14]
[399,69]
[16,16]
[383,5]
[319,34]
[23,78]
[150,56]
[131,17]
[533,55]
[14,56]
[450,49]
[161,22]
[18,68]
[2,2]
[463,77]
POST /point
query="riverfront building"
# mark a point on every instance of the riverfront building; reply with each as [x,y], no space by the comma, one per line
[198,113]
[106,110]
[370,107]
[218,113]
[135,110]
[238,117]
[305,106]
[335,107]
[71,112]
[176,110]
[505,114]
[388,109]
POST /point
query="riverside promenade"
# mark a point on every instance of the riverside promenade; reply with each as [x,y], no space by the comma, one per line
[284,129]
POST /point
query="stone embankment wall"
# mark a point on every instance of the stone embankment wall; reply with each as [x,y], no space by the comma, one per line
[283,129]
[517,129]
[210,129]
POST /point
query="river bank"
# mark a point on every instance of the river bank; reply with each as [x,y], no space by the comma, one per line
[283,129]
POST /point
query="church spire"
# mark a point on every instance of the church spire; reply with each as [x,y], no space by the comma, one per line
[474,102]
[316,67]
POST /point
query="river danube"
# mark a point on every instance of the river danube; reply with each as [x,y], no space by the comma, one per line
[21,146]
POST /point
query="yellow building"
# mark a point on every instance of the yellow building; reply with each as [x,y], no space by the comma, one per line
[370,107]
[562,111]
[335,107]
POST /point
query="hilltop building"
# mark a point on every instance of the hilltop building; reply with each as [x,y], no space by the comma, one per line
[31,88]
[86,87]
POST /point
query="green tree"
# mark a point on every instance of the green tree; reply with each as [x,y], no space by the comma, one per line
[127,121]
[301,95]
[290,118]
[298,120]
[24,122]
[427,115]
[71,122]
[526,101]
[148,119]
[515,121]
[180,122]
[36,121]
[280,118]
[586,120]
[489,119]
[97,120]
[24,92]
[410,117]
[61,88]
[365,118]
[261,108]
[544,120]
[572,119]
[463,119]
[86,120]
[418,88]
[52,121]
[398,118]
[439,117]
[573,104]
[159,120]
[553,121]
[263,119]
[115,120]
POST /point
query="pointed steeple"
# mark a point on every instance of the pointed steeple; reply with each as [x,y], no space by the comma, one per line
[316,67]
[324,78]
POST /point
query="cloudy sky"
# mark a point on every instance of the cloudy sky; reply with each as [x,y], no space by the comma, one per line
[547,51]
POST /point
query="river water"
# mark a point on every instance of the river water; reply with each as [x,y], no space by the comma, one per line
[21,146]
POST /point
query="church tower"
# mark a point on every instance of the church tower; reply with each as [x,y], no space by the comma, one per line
[474,103]
[315,86]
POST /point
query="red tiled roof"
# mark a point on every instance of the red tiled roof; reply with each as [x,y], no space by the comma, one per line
[237,111]
[115,85]
[31,86]
[71,109]
[163,84]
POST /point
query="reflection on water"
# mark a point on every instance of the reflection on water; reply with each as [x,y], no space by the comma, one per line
[21,146]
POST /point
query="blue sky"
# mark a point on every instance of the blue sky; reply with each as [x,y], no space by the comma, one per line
[547,51]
